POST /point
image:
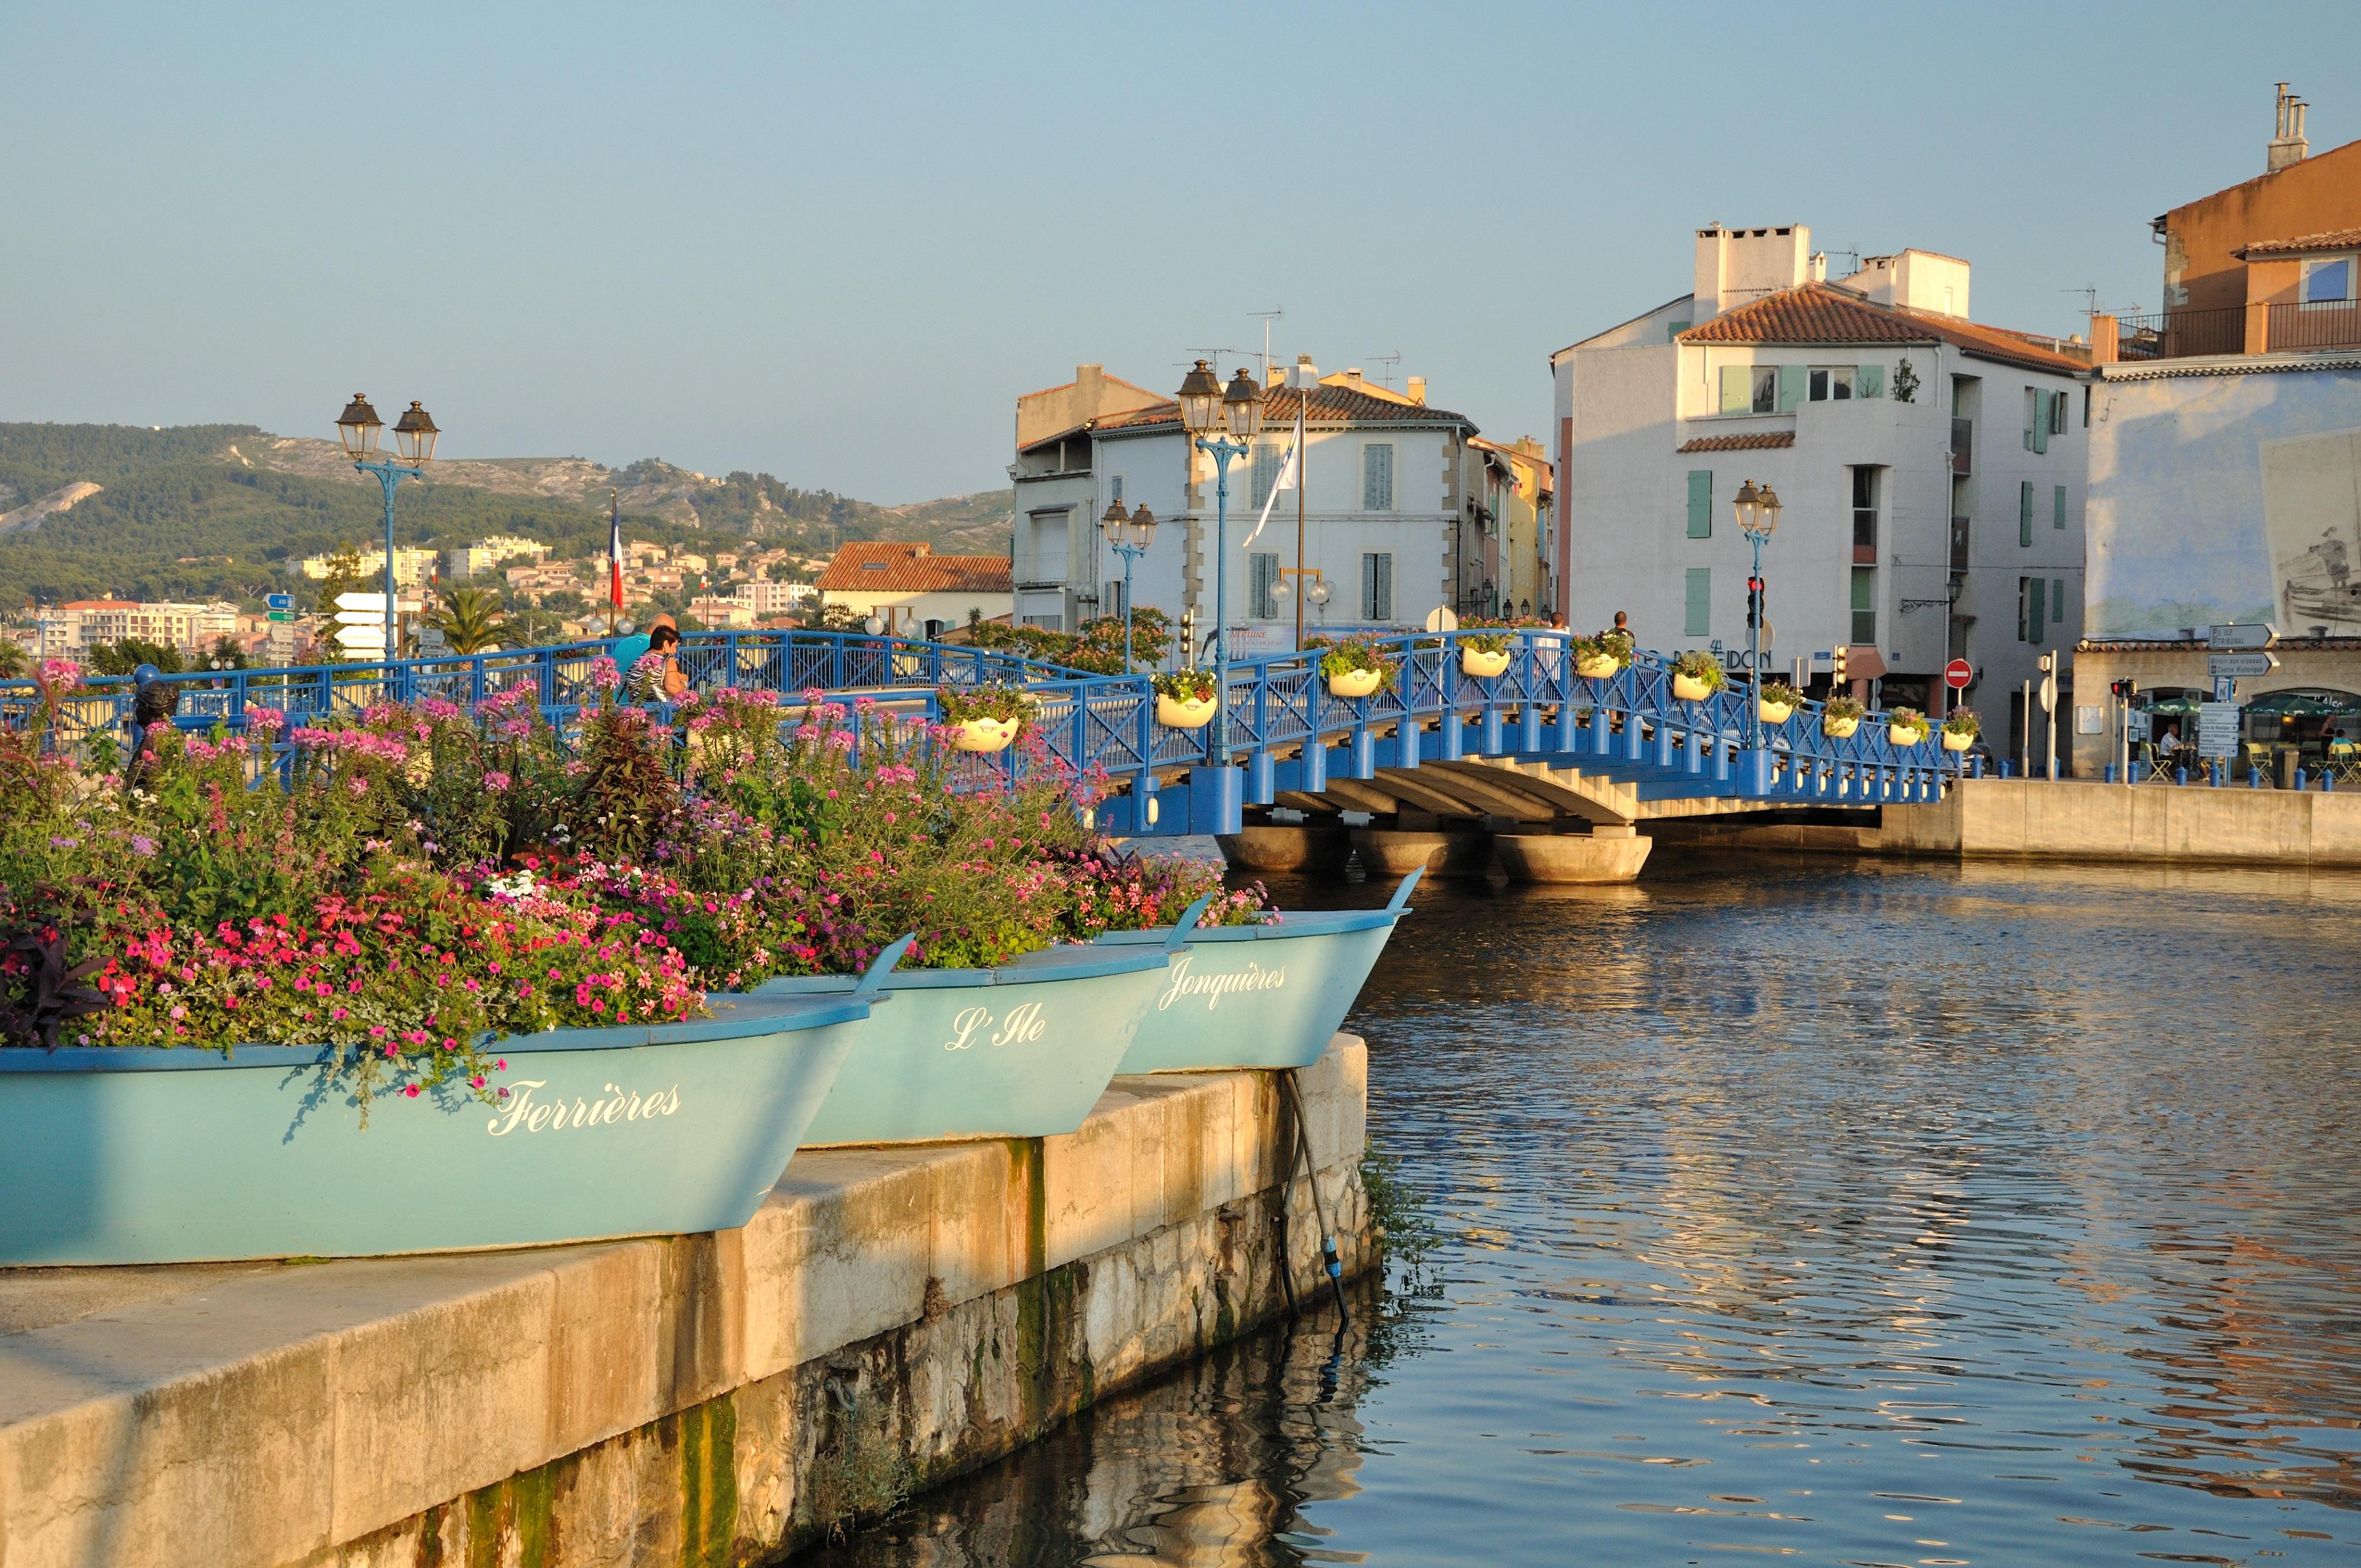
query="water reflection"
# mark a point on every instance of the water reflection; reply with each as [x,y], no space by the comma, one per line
[1858,1212]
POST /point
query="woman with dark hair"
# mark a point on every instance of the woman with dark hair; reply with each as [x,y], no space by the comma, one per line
[656,675]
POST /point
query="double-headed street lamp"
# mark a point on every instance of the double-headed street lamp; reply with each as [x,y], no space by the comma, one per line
[1757,518]
[414,434]
[1129,538]
[1207,412]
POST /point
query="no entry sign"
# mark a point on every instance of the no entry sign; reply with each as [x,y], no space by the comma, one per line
[1957,674]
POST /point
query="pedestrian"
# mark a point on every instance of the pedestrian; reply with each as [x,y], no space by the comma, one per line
[656,675]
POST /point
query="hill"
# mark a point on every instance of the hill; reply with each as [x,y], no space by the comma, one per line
[225,511]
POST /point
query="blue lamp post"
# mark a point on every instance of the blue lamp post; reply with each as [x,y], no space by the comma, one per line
[1224,424]
[1129,538]
[414,434]
[1758,516]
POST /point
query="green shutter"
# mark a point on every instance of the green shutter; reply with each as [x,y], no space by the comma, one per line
[1701,503]
[2024,513]
[1736,389]
[1869,380]
[2058,600]
[1673,330]
[2058,506]
[2041,422]
[1697,607]
[2033,610]
[1792,379]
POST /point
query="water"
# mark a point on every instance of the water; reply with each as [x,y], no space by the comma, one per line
[1843,1214]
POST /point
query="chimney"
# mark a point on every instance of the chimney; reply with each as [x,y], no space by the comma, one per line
[1353,376]
[1418,390]
[2286,144]
[1817,268]
[1305,373]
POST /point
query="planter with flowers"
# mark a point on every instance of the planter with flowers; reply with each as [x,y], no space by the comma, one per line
[1485,654]
[1776,702]
[1840,717]
[1960,729]
[1184,699]
[984,718]
[1905,726]
[1353,668]
[1604,656]
[1697,675]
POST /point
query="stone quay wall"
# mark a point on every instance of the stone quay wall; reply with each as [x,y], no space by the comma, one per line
[891,1317]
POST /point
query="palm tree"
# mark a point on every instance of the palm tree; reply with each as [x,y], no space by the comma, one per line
[471,620]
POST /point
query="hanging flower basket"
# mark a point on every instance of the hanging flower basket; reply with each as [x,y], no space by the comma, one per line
[1776,703]
[1355,683]
[984,719]
[1905,726]
[1840,717]
[1484,664]
[1697,675]
[1355,668]
[985,734]
[1960,729]
[1184,699]
[1955,741]
[1602,657]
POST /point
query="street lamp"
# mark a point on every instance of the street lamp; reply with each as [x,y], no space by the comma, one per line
[414,437]
[1129,538]
[1757,518]
[1224,424]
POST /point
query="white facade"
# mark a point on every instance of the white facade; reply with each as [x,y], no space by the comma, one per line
[1886,540]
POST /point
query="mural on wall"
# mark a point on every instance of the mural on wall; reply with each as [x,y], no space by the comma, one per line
[2311,503]
[2221,498]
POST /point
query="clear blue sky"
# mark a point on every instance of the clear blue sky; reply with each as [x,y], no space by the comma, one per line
[835,241]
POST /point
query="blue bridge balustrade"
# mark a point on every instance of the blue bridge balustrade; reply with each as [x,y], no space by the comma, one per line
[1288,732]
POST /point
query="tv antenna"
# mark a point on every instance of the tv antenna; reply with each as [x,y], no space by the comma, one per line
[2090,292]
[1267,317]
[1387,380]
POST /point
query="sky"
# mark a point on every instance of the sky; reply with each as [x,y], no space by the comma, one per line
[836,242]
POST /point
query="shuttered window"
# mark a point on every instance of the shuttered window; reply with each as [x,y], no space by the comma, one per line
[1262,576]
[2034,608]
[1750,388]
[1701,503]
[1696,605]
[1378,586]
[2058,506]
[1792,380]
[2056,601]
[1265,470]
[1378,476]
[1864,607]
[1869,381]
[2025,512]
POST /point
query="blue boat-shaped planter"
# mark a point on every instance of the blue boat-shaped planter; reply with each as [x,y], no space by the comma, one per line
[1023,1051]
[1257,996]
[145,1155]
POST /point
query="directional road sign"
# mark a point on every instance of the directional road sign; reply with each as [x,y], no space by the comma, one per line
[2250,635]
[2217,730]
[279,601]
[374,603]
[363,618]
[2241,663]
[277,615]
[1958,674]
[2226,688]
[361,637]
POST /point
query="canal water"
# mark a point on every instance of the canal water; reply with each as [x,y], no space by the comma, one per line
[1838,1212]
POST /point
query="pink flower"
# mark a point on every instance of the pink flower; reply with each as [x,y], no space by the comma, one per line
[496,781]
[604,675]
[411,1091]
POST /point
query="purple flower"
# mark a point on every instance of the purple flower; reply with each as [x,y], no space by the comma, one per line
[142,845]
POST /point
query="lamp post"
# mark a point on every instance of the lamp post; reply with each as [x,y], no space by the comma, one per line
[1758,516]
[413,436]
[1224,424]
[1129,538]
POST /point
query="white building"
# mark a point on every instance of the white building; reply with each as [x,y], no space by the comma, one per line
[483,555]
[1389,514]
[69,629]
[761,596]
[914,591]
[411,567]
[1931,470]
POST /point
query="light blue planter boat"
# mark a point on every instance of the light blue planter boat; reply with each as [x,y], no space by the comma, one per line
[1255,996]
[152,1156]
[1023,1051]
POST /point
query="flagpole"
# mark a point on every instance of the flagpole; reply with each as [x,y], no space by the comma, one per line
[1303,480]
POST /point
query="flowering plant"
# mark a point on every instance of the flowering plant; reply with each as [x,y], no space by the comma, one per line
[1000,703]
[1185,686]
[1702,667]
[1963,721]
[1347,654]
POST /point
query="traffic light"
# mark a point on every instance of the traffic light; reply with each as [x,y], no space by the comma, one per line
[2125,689]
[1753,602]
[1837,678]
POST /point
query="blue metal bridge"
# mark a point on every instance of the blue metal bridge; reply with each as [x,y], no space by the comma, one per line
[1287,735]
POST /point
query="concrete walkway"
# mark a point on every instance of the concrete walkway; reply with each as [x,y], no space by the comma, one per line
[890,1318]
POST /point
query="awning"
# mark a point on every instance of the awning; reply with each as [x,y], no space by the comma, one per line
[1865,664]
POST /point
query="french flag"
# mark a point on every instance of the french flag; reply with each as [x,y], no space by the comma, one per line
[614,551]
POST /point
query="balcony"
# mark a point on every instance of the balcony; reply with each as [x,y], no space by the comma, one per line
[2238,329]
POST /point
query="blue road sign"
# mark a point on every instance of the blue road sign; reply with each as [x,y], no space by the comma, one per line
[280,602]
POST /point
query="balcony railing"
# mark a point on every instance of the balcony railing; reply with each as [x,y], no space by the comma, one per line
[2179,334]
[2336,326]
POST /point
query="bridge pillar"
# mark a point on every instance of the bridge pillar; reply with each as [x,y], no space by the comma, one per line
[1490,742]
[1635,737]
[1314,765]
[1529,725]
[1453,735]
[1262,785]
[1664,744]
[1569,732]
[1693,751]
[1407,744]
[1755,772]
[1365,754]
[1215,800]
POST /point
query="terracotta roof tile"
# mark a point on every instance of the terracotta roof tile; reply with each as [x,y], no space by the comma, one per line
[1762,441]
[873,566]
[2332,239]
[1823,313]
[1328,405]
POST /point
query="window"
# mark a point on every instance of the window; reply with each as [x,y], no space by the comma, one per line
[1869,380]
[1750,388]
[2024,513]
[1831,383]
[1864,515]
[1673,330]
[1378,476]
[2040,412]
[1265,470]
[2056,601]
[1696,605]
[1115,487]
[1378,587]
[2031,595]
[2328,282]
[1864,606]
[1262,576]
[2058,506]
[2057,412]
[1701,503]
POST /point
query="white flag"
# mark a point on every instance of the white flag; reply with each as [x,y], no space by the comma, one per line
[1286,481]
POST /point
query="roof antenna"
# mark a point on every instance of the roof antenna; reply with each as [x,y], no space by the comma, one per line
[1386,381]
[1267,317]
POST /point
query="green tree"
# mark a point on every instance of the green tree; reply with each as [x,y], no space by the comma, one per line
[225,654]
[122,658]
[15,663]
[471,620]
